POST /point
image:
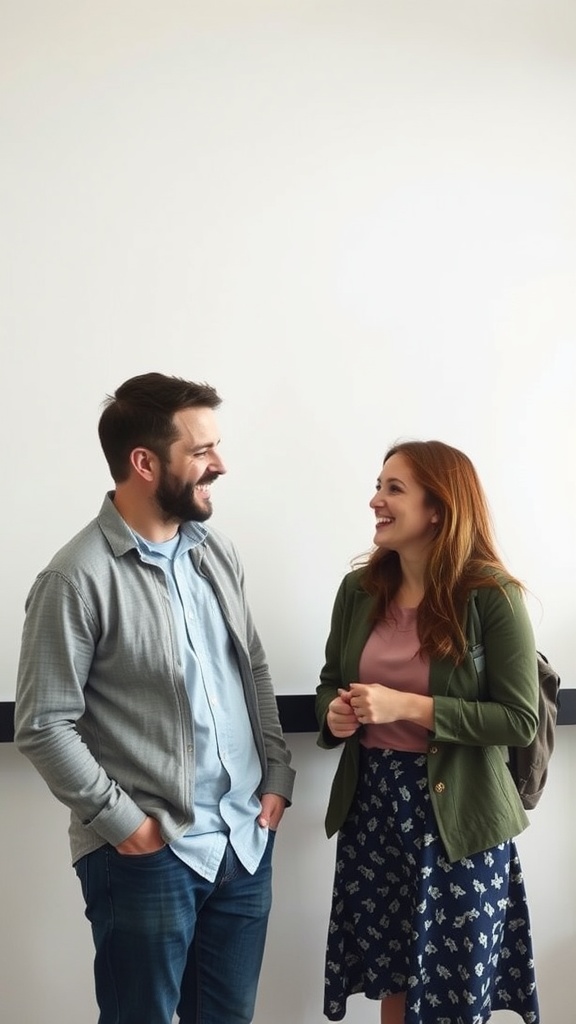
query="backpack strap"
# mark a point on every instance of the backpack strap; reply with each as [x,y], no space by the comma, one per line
[474,627]
[474,634]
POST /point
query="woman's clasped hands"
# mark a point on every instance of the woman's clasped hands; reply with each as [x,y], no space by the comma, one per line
[362,704]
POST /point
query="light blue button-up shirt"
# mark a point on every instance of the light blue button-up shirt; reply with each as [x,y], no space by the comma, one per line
[227,768]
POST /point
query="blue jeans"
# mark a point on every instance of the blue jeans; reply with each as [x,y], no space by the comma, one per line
[168,941]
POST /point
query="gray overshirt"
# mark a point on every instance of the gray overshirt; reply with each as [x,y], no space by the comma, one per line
[101,704]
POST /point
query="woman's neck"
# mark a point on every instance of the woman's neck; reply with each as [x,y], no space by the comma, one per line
[408,596]
[411,589]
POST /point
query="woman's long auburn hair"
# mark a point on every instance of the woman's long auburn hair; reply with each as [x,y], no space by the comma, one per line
[463,555]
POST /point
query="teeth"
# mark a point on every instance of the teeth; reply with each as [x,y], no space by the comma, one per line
[385,519]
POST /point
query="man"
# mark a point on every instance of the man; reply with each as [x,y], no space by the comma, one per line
[145,701]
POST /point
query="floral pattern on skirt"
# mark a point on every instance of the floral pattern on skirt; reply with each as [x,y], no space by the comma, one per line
[454,936]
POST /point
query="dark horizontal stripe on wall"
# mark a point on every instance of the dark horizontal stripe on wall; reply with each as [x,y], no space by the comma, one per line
[296,713]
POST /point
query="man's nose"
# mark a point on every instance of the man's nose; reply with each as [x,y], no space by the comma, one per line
[217,463]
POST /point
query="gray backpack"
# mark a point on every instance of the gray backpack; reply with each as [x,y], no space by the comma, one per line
[528,765]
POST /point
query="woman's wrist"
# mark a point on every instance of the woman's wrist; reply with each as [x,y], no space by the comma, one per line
[419,709]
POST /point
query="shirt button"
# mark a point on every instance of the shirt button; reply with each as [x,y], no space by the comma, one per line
[439,787]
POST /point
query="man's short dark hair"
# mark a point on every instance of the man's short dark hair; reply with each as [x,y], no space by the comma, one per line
[140,414]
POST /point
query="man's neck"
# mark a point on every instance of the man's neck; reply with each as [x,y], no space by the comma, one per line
[144,519]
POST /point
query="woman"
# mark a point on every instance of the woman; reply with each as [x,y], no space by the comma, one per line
[429,912]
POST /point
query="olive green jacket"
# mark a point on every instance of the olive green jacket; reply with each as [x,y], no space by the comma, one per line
[474,797]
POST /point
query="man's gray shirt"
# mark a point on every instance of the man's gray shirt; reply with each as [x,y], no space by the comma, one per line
[101,703]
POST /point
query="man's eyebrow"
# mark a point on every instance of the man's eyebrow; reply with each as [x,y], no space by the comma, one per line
[203,447]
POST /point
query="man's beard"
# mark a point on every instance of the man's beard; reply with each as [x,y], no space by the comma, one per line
[177,501]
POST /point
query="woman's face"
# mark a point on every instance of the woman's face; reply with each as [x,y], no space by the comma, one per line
[404,521]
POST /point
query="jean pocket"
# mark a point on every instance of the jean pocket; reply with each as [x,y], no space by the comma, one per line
[141,856]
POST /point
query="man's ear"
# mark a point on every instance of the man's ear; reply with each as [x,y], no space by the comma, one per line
[143,462]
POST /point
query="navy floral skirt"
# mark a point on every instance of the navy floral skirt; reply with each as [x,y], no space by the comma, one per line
[454,937]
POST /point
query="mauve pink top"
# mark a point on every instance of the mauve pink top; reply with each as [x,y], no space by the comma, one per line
[391,657]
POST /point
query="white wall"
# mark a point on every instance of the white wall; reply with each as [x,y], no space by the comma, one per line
[357,220]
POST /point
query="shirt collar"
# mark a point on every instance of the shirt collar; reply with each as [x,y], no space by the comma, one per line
[189,536]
